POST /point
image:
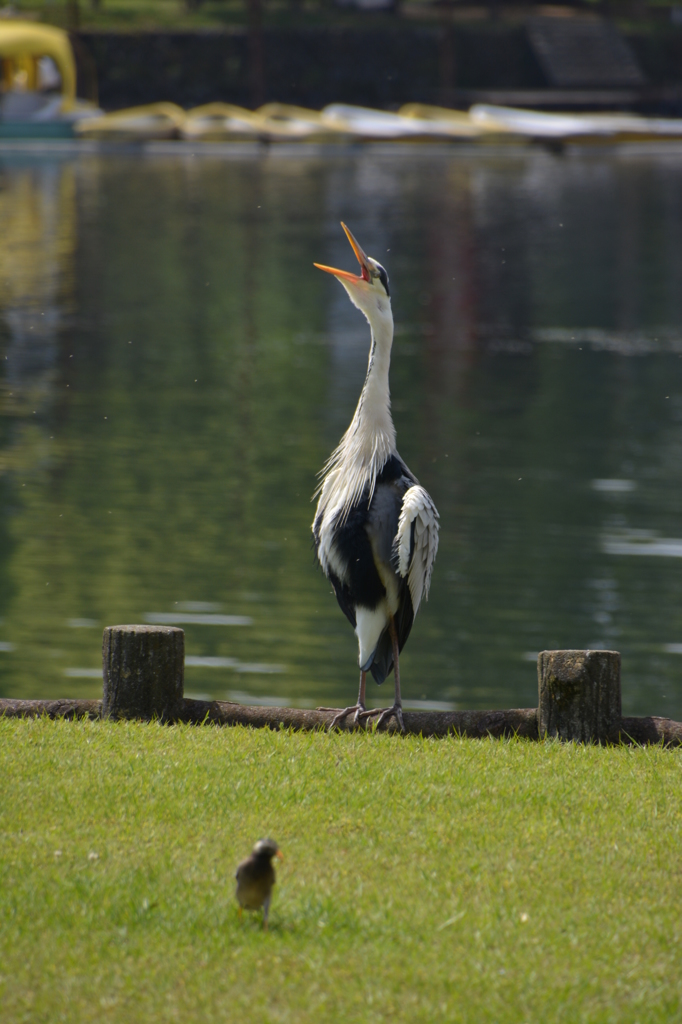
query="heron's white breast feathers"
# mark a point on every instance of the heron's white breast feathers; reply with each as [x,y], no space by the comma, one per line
[415,556]
[354,466]
[326,551]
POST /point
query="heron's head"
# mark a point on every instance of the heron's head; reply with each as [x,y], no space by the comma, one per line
[368,290]
[267,848]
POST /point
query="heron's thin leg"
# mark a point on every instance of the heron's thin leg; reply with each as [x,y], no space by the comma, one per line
[361,692]
[397,709]
[396,662]
[357,708]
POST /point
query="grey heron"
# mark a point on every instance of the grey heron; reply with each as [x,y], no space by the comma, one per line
[375,529]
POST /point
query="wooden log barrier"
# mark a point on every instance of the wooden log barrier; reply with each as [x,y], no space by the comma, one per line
[477,724]
[579,697]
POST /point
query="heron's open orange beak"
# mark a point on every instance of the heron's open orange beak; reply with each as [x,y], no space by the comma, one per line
[362,260]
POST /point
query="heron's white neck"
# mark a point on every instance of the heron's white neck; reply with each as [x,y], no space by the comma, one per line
[370,439]
[372,419]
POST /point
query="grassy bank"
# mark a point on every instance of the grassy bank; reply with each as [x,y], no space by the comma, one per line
[143,15]
[424,880]
[175,15]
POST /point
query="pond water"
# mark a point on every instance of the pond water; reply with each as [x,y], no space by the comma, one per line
[175,372]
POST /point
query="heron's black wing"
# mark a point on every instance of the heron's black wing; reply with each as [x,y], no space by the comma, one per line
[343,596]
[384,519]
[404,616]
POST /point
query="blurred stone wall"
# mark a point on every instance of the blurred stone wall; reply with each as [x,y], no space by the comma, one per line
[309,67]
[313,67]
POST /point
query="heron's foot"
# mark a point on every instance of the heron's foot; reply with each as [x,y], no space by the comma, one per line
[396,711]
[342,713]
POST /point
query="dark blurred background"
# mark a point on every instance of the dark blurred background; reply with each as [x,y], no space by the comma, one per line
[625,54]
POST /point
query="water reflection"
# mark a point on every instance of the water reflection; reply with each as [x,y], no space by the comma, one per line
[176,372]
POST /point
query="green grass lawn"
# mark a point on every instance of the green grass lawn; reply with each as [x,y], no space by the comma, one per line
[424,880]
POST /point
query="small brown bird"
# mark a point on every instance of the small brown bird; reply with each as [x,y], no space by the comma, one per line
[256,877]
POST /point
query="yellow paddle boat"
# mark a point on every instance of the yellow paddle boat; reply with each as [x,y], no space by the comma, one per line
[38,82]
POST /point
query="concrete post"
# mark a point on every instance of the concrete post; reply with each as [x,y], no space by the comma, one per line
[579,695]
[143,669]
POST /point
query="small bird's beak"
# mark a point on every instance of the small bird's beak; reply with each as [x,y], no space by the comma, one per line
[362,260]
[279,855]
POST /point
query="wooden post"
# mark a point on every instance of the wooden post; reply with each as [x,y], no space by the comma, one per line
[447,61]
[579,695]
[256,52]
[143,669]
